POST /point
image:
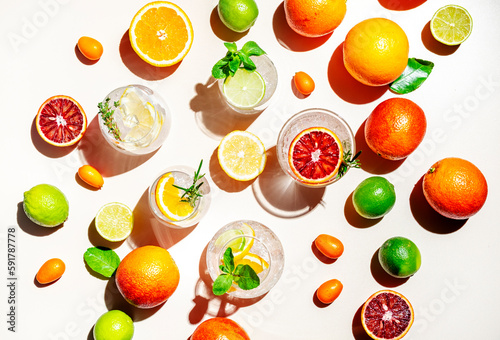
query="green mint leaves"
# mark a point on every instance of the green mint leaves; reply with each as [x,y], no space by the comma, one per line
[413,76]
[234,58]
[102,260]
[245,277]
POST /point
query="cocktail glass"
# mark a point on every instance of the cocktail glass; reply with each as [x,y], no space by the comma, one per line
[309,118]
[183,177]
[267,70]
[140,121]
[265,246]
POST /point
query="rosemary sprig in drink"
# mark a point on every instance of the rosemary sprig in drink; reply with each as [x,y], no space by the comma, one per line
[106,113]
[348,163]
[192,194]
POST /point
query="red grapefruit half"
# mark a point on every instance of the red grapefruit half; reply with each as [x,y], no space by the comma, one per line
[61,121]
[315,155]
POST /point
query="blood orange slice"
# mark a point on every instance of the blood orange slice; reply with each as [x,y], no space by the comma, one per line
[387,315]
[61,121]
[315,155]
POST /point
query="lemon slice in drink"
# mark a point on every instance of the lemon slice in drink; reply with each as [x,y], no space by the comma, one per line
[451,25]
[245,89]
[168,199]
[138,114]
[114,221]
[257,263]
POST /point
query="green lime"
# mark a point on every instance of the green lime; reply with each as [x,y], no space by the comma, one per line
[238,15]
[114,221]
[237,243]
[374,197]
[245,89]
[46,205]
[399,257]
[451,25]
[114,325]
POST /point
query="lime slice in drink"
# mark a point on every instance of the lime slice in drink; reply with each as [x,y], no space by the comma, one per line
[245,89]
[114,221]
[240,245]
[451,25]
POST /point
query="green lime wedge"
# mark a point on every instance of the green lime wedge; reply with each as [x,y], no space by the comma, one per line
[114,221]
[237,243]
[451,25]
[245,89]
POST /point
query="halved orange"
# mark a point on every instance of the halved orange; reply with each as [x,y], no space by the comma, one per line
[61,121]
[161,33]
[387,315]
[315,155]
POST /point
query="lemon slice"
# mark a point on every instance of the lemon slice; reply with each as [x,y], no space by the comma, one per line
[247,230]
[168,199]
[242,155]
[451,25]
[257,263]
[114,221]
[245,89]
[138,115]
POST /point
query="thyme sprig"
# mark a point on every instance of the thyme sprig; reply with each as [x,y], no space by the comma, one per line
[348,162]
[106,112]
[192,194]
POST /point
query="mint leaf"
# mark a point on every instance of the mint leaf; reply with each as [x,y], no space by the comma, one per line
[231,47]
[228,260]
[246,277]
[251,48]
[102,260]
[234,58]
[222,284]
[413,76]
[234,65]
[247,62]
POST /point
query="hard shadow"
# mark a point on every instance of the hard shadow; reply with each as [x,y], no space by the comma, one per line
[138,66]
[43,285]
[280,195]
[84,60]
[30,227]
[222,180]
[291,40]
[213,116]
[358,331]
[296,91]
[370,161]
[97,240]
[221,31]
[95,150]
[381,276]
[317,302]
[320,256]
[345,86]
[427,217]
[433,45]
[401,5]
[83,184]
[355,219]
[90,335]
[45,148]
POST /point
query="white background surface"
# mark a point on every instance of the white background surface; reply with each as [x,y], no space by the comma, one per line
[454,294]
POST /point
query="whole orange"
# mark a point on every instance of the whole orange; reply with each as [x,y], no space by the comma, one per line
[376,51]
[147,276]
[314,18]
[219,328]
[395,128]
[455,188]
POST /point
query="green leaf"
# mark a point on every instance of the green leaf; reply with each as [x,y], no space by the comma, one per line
[413,76]
[222,284]
[228,260]
[218,69]
[247,62]
[251,48]
[246,277]
[231,47]
[234,65]
[102,260]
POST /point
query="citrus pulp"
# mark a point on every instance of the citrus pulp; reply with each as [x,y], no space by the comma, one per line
[374,197]
[399,257]
[451,25]
[245,89]
[168,199]
[114,221]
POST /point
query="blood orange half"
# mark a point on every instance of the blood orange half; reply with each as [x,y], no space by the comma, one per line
[315,155]
[387,315]
[61,121]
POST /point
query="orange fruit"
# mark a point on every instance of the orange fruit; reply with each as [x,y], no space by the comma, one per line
[304,83]
[219,328]
[329,291]
[315,155]
[50,271]
[455,188]
[314,18]
[387,315]
[91,176]
[61,121]
[90,48]
[395,128]
[376,51]
[161,33]
[329,246]
[147,276]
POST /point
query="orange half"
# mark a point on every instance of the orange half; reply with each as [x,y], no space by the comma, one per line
[161,33]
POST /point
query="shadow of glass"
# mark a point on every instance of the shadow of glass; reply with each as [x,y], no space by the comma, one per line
[381,276]
[401,5]
[291,40]
[433,45]
[45,148]
[30,227]
[358,331]
[213,116]
[222,180]
[138,66]
[355,219]
[345,86]
[280,195]
[427,217]
[221,31]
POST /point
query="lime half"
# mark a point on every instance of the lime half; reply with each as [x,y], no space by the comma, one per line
[451,25]
[245,89]
[114,221]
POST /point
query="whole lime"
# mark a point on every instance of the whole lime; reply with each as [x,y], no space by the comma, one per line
[114,325]
[374,197]
[238,15]
[399,257]
[46,205]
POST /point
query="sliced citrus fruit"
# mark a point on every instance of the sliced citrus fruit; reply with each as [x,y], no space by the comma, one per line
[235,236]
[451,25]
[242,155]
[61,121]
[138,115]
[257,263]
[161,33]
[245,89]
[387,315]
[248,243]
[315,155]
[114,221]
[168,199]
